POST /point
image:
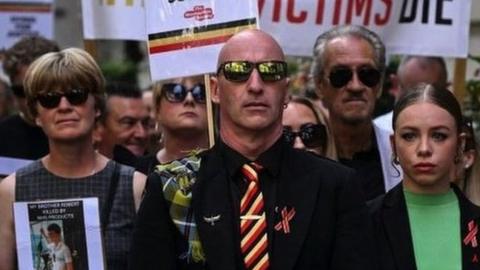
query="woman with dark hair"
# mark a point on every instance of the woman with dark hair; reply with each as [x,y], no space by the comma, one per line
[306,127]
[425,222]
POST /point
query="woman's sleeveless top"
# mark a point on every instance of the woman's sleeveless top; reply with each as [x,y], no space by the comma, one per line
[34,182]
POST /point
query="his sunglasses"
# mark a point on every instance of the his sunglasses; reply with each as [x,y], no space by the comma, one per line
[52,99]
[341,76]
[240,71]
[177,93]
[312,135]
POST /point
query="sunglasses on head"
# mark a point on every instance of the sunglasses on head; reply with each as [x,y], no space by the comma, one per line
[341,76]
[18,90]
[312,135]
[176,93]
[52,99]
[240,71]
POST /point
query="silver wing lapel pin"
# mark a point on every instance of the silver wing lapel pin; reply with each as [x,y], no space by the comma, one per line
[212,219]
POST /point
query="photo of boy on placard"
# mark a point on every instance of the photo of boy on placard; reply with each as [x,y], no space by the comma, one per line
[57,236]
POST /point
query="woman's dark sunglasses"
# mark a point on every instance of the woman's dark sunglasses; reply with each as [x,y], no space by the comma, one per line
[341,76]
[312,135]
[240,71]
[176,93]
[52,99]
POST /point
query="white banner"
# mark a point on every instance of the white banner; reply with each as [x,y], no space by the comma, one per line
[19,18]
[426,27]
[114,19]
[184,37]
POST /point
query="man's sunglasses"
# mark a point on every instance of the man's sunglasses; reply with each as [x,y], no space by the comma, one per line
[52,99]
[176,93]
[312,135]
[341,76]
[18,90]
[239,71]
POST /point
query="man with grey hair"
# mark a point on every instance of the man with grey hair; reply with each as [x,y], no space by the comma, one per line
[121,133]
[414,69]
[348,68]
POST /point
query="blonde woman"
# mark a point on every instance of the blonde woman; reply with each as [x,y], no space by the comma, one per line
[65,95]
[306,127]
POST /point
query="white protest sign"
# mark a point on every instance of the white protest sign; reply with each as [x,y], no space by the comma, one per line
[184,37]
[20,18]
[78,221]
[114,19]
[427,27]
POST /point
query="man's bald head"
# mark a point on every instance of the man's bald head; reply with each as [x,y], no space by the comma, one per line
[252,93]
[249,38]
[416,69]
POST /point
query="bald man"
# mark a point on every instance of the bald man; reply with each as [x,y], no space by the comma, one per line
[414,69]
[256,203]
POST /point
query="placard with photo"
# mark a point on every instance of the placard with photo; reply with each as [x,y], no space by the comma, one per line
[59,234]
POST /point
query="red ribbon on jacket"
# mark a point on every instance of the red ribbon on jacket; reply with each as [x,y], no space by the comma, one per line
[285,222]
[472,234]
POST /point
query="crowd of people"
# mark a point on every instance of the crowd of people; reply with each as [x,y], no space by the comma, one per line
[293,181]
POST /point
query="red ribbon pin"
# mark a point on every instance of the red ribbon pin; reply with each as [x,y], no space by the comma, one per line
[285,222]
[472,234]
[471,238]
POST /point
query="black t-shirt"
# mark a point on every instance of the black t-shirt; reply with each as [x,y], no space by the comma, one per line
[123,156]
[146,164]
[368,166]
[18,139]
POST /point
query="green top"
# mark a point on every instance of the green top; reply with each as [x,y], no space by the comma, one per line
[435,226]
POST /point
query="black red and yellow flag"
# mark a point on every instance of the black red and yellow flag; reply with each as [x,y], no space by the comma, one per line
[197,36]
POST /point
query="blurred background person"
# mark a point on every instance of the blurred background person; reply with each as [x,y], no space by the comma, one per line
[153,131]
[306,127]
[65,96]
[147,97]
[19,136]
[182,116]
[122,131]
[413,70]
[424,222]
[468,170]
[6,99]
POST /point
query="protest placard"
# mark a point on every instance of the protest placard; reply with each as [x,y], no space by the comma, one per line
[114,19]
[20,18]
[428,27]
[54,233]
[184,37]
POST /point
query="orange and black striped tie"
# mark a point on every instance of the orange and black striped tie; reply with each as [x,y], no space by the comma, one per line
[253,224]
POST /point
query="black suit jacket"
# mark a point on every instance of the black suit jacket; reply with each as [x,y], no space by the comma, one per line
[329,230]
[393,235]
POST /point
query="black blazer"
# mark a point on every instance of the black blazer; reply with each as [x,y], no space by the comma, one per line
[329,230]
[394,242]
